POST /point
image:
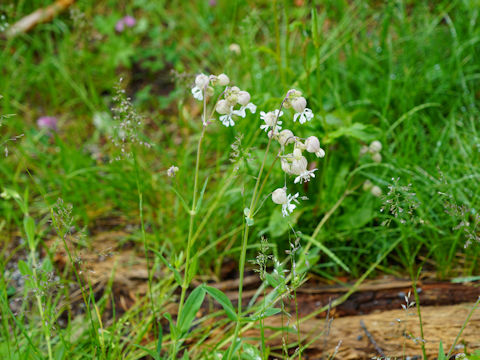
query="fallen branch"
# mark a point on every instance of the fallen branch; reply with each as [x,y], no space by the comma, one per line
[39,16]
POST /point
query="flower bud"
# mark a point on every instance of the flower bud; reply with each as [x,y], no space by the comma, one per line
[376,191]
[232,99]
[312,144]
[209,91]
[172,171]
[222,107]
[375,147]
[243,98]
[367,185]
[297,153]
[286,137]
[292,93]
[223,80]
[235,48]
[286,166]
[363,150]
[201,81]
[299,165]
[299,104]
[279,196]
[377,157]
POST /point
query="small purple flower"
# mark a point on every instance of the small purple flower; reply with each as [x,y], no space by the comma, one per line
[128,21]
[212,3]
[47,122]
[120,25]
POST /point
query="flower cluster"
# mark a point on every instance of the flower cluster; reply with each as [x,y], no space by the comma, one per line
[374,150]
[294,163]
[232,96]
[128,21]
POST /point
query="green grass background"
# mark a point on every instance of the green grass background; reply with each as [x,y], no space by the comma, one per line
[404,72]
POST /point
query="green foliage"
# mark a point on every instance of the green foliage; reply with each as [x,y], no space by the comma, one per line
[404,73]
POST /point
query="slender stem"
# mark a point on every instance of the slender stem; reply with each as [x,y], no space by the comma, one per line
[186,276]
[144,238]
[299,340]
[419,312]
[262,329]
[190,227]
[243,253]
[39,305]
[463,327]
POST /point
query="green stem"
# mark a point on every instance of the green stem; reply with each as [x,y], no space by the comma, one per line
[186,276]
[39,305]
[419,312]
[298,325]
[144,239]
[245,237]
[463,327]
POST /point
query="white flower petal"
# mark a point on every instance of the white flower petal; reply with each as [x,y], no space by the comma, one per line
[252,107]
[197,93]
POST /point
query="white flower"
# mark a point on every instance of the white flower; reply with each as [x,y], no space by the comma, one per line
[197,93]
[312,144]
[286,137]
[305,176]
[235,48]
[304,116]
[227,119]
[286,165]
[299,104]
[172,171]
[243,98]
[367,185]
[201,81]
[279,196]
[241,112]
[376,191]
[223,80]
[269,119]
[375,147]
[288,207]
[377,157]
[223,107]
[363,150]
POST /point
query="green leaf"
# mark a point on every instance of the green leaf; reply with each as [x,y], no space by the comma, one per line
[24,268]
[250,352]
[148,351]
[176,274]
[357,130]
[268,312]
[160,340]
[173,327]
[192,305]
[465,279]
[314,28]
[200,199]
[441,352]
[29,227]
[182,200]
[223,300]
[326,250]
[278,225]
[272,280]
